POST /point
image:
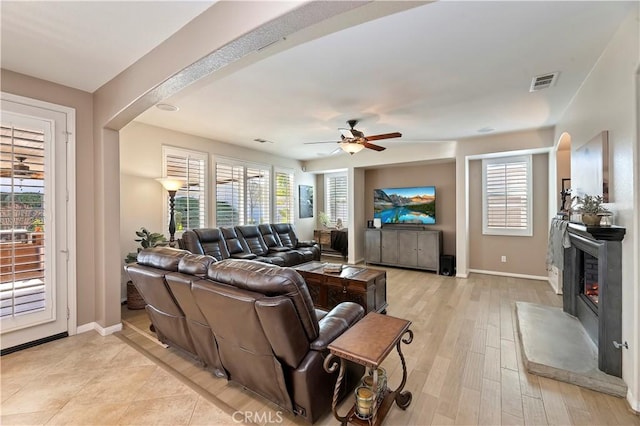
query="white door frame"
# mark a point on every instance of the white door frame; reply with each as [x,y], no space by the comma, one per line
[70,116]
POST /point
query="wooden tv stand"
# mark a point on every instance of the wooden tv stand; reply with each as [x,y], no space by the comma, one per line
[404,246]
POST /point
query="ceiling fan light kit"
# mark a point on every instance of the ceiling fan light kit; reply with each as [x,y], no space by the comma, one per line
[355,141]
[351,147]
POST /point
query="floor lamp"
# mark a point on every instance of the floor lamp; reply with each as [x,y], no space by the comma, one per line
[172,186]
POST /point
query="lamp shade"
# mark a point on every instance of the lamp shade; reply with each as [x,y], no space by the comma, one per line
[351,147]
[171,184]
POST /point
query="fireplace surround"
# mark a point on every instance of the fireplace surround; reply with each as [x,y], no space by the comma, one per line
[592,288]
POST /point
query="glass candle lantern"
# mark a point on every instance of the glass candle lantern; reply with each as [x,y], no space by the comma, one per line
[364,402]
[382,382]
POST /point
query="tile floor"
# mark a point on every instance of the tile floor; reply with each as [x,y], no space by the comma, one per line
[88,379]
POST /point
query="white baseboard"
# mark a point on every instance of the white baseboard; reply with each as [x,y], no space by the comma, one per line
[97,327]
[633,402]
[509,274]
[461,275]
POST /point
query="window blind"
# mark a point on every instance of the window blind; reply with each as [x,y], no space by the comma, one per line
[284,197]
[229,194]
[337,196]
[22,221]
[257,187]
[507,196]
[190,200]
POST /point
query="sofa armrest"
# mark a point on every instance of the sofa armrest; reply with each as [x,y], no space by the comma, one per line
[245,256]
[309,243]
[279,249]
[336,322]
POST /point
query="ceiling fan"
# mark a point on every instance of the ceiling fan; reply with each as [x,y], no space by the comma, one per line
[353,140]
[21,170]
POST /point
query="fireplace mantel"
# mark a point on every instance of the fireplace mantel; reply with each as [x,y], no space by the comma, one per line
[604,233]
[603,322]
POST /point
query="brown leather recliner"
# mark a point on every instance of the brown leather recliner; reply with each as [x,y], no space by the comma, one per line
[268,334]
[254,320]
[254,242]
[148,275]
[288,238]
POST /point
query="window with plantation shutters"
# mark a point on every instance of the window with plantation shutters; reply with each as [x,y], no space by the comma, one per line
[507,196]
[284,197]
[242,193]
[336,202]
[191,199]
[23,286]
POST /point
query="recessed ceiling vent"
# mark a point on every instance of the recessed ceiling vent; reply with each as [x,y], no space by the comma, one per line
[543,81]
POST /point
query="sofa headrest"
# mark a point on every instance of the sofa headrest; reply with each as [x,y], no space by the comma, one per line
[194,264]
[249,231]
[166,258]
[270,280]
[207,235]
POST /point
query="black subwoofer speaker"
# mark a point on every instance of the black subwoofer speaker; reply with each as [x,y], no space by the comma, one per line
[447,265]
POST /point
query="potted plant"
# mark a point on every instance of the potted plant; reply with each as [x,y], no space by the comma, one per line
[324,220]
[590,206]
[146,239]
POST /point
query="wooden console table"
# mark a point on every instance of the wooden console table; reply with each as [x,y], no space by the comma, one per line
[365,286]
[368,343]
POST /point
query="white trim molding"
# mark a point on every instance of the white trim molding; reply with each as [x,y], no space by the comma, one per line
[509,274]
[94,326]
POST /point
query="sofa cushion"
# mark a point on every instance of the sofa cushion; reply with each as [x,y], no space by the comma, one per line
[269,280]
[195,264]
[166,258]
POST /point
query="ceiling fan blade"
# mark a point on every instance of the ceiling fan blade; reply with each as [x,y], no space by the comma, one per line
[373,146]
[311,143]
[384,136]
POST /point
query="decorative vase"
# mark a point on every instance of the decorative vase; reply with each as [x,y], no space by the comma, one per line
[590,219]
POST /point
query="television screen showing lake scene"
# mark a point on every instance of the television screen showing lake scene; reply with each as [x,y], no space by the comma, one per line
[405,205]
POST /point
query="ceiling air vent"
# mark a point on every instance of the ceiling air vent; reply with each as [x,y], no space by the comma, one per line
[543,81]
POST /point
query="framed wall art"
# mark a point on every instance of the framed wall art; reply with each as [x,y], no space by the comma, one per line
[305,201]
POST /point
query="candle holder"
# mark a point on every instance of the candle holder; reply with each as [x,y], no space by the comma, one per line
[364,402]
[381,388]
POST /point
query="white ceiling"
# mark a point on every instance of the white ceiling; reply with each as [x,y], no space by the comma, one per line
[440,71]
[84,44]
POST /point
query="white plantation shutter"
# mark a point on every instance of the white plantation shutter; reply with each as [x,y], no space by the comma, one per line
[284,197]
[336,199]
[243,193]
[229,194]
[191,199]
[258,201]
[507,196]
[23,283]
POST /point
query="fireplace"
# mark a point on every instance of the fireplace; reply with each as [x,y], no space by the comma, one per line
[592,289]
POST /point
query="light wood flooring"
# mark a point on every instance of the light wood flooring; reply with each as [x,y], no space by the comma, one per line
[464,363]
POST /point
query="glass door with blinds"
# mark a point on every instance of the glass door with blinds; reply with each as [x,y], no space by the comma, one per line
[34,254]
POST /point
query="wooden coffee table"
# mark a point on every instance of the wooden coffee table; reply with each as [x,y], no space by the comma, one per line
[368,343]
[365,286]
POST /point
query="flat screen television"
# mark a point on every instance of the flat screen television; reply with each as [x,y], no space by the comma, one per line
[411,205]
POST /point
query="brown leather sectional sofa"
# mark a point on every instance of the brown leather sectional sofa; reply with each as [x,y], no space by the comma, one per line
[248,321]
[276,244]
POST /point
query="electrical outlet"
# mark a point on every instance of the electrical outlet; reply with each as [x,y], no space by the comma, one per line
[503,259]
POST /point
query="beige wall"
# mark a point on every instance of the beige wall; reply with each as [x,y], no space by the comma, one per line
[606,101]
[82,102]
[441,175]
[525,255]
[539,140]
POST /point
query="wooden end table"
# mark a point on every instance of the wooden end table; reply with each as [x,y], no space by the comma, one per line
[368,343]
